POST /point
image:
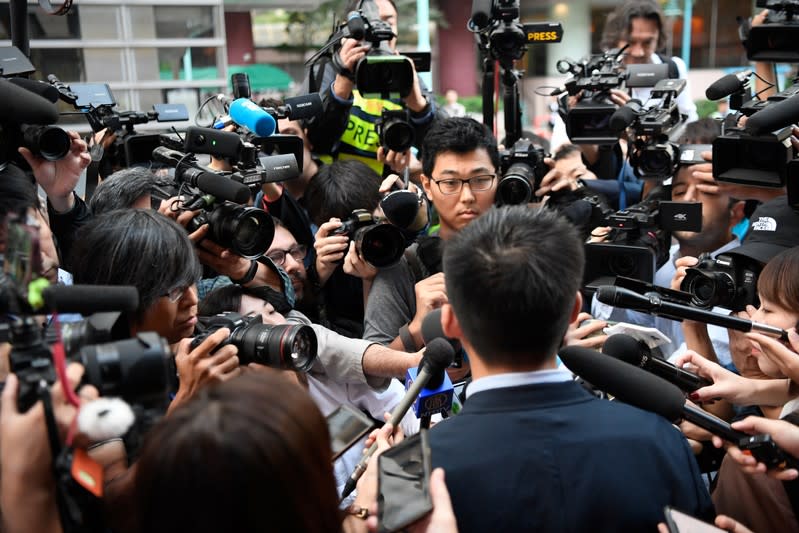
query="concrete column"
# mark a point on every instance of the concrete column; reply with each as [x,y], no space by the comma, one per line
[575,16]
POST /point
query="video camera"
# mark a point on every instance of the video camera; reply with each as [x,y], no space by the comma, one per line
[506,37]
[654,128]
[639,241]
[775,39]
[285,346]
[522,168]
[248,231]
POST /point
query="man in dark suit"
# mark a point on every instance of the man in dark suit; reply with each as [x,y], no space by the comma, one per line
[532,450]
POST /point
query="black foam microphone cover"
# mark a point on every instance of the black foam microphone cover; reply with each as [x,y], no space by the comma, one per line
[88,299]
[305,106]
[625,115]
[21,106]
[401,208]
[723,87]
[438,356]
[481,12]
[624,348]
[774,116]
[626,382]
[355,25]
[45,90]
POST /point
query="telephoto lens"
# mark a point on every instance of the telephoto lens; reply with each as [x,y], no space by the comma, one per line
[381,245]
[395,131]
[248,231]
[516,186]
[284,346]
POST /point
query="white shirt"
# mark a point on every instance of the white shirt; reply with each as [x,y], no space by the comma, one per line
[518,379]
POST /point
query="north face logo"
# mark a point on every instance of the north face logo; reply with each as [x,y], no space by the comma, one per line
[765,224]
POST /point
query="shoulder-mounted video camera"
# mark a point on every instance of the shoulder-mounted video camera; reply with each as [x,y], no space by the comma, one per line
[775,39]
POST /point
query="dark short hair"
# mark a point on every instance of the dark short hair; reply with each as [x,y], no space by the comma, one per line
[702,131]
[512,277]
[460,135]
[778,281]
[339,188]
[122,188]
[138,247]
[17,191]
[619,23]
[565,150]
[252,454]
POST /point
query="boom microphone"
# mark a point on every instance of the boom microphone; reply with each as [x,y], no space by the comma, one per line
[248,114]
[20,106]
[627,349]
[355,25]
[727,85]
[45,90]
[641,389]
[624,116]
[652,303]
[437,358]
[88,299]
[774,116]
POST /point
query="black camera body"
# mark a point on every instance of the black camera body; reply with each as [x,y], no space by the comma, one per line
[395,130]
[285,346]
[248,231]
[381,245]
[775,39]
[522,168]
[726,281]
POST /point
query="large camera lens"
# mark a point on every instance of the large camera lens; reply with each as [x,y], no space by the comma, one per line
[516,186]
[248,231]
[134,369]
[50,142]
[397,135]
[288,346]
[381,245]
[708,288]
[657,162]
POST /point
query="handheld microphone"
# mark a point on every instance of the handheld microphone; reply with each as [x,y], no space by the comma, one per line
[208,182]
[403,209]
[355,25]
[627,349]
[637,387]
[652,303]
[774,116]
[247,114]
[88,299]
[624,116]
[437,357]
[241,85]
[20,106]
[727,85]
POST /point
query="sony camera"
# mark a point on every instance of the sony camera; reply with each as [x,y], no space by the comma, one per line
[775,39]
[284,346]
[522,168]
[726,281]
[381,245]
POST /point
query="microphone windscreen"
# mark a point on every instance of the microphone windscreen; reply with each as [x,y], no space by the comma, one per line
[607,294]
[305,106]
[723,87]
[45,90]
[400,208]
[355,25]
[438,355]
[246,113]
[626,382]
[774,116]
[223,188]
[624,348]
[624,116]
[20,106]
[88,299]
[481,12]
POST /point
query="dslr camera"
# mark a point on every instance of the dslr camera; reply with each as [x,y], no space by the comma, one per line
[381,245]
[725,281]
[522,168]
[395,130]
[284,346]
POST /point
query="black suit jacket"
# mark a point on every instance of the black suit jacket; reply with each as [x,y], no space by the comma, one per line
[552,457]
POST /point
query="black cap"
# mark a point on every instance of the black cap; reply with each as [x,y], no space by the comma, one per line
[773,228]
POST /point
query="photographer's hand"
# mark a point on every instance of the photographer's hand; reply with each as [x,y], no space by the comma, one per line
[330,249]
[740,192]
[199,367]
[59,178]
[351,52]
[396,161]
[619,97]
[431,293]
[415,101]
[589,335]
[785,358]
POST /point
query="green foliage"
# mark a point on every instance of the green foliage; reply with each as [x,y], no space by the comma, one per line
[704,108]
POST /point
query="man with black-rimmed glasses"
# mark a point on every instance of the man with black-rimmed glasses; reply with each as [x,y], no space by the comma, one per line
[459,165]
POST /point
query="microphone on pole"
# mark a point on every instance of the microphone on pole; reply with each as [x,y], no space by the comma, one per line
[437,357]
[727,85]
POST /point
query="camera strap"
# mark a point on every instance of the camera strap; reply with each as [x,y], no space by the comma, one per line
[341,68]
